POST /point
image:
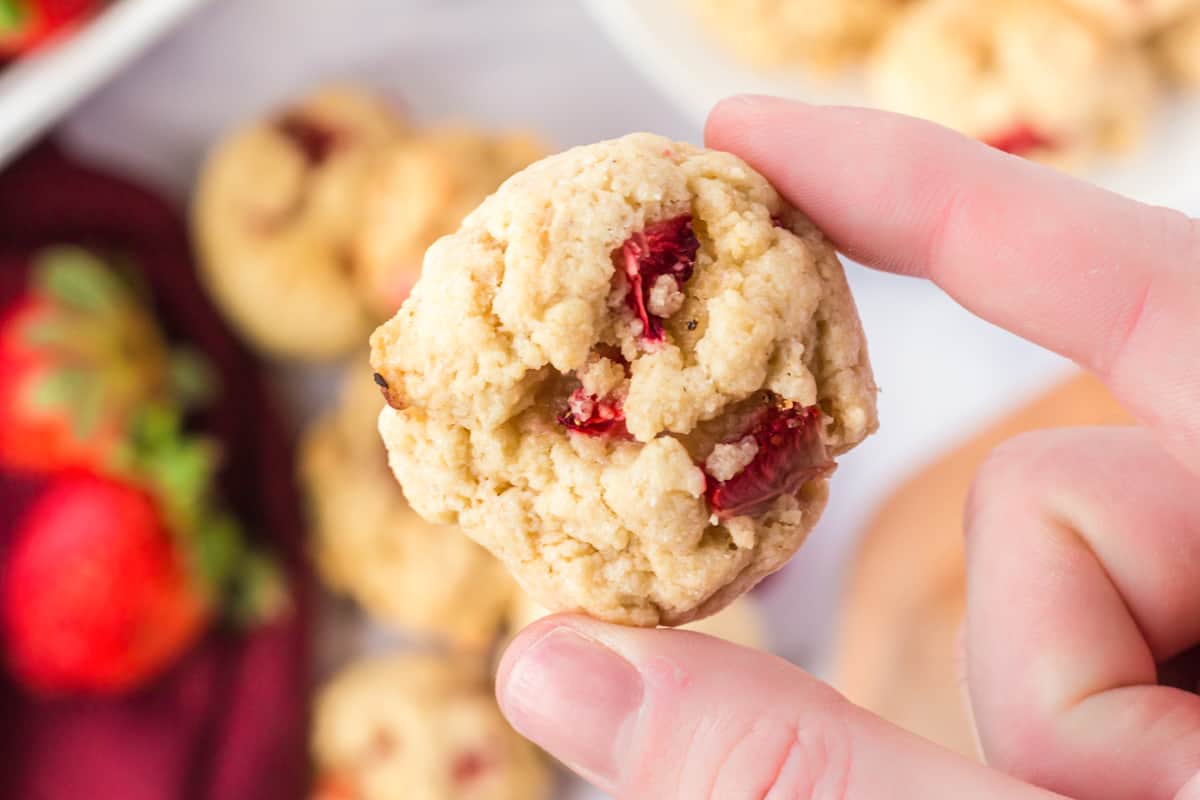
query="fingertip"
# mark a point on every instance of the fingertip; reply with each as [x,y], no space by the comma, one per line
[739,120]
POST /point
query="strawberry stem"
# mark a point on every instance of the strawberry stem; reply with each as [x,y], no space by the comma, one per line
[13,15]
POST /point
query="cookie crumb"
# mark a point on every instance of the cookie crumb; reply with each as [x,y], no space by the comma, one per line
[727,460]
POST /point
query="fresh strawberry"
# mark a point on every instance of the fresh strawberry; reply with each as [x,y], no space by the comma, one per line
[94,595]
[26,25]
[79,356]
[790,451]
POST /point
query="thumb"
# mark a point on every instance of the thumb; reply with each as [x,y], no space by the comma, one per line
[675,714]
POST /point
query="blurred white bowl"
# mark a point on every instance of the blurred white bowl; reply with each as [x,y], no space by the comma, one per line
[38,89]
[663,39]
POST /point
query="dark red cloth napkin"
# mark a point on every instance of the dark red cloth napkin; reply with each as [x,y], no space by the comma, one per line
[229,721]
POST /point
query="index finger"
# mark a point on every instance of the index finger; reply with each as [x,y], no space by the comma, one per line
[1108,282]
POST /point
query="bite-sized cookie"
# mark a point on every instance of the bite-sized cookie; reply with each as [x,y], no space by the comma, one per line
[741,622]
[420,728]
[823,34]
[420,191]
[1025,76]
[627,374]
[1130,19]
[274,214]
[1178,50]
[428,579]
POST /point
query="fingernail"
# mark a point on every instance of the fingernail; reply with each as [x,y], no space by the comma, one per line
[575,698]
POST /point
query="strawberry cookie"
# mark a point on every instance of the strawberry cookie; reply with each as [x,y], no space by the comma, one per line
[1178,49]
[1130,19]
[1025,76]
[429,579]
[420,191]
[628,375]
[823,34]
[274,217]
[421,728]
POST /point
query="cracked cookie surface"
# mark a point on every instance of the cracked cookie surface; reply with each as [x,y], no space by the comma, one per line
[422,728]
[627,375]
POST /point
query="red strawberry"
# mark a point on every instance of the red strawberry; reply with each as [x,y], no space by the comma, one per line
[663,249]
[79,355]
[791,452]
[94,594]
[27,24]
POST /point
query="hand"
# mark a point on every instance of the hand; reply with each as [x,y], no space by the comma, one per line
[1083,545]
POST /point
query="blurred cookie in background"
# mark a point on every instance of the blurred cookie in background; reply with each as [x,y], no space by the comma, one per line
[741,622]
[1178,51]
[1132,18]
[420,191]
[821,34]
[1025,76]
[428,579]
[898,653]
[273,219]
[421,728]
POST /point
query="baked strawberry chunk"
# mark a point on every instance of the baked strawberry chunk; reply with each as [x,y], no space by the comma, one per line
[592,415]
[665,251]
[1021,140]
[788,451]
[314,140]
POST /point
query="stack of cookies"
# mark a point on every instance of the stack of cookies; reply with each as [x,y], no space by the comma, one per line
[1061,81]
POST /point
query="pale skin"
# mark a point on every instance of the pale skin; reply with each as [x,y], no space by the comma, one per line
[1083,545]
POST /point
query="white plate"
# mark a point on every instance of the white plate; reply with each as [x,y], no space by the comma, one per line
[662,38]
[36,90]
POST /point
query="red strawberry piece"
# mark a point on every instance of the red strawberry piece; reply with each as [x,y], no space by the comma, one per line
[791,452]
[470,766]
[28,24]
[315,140]
[1021,140]
[665,248]
[94,594]
[592,415]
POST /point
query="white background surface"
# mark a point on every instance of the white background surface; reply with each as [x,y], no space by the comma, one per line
[545,64]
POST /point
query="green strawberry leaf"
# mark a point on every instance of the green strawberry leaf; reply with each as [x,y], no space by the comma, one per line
[259,593]
[13,15]
[192,379]
[88,408]
[47,332]
[217,549]
[57,389]
[77,278]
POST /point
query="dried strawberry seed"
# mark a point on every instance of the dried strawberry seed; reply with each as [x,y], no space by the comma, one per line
[665,248]
[315,141]
[791,452]
[1020,141]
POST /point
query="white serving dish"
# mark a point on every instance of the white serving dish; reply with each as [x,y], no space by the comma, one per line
[36,90]
[662,38]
